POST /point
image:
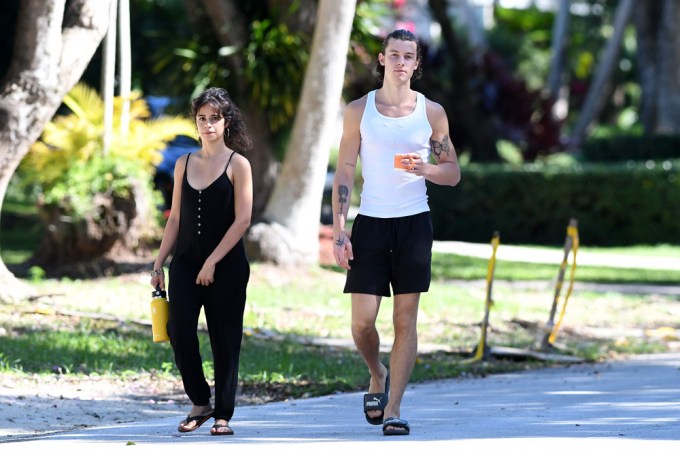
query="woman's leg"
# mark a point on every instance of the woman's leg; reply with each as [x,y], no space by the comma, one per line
[185,307]
[224,314]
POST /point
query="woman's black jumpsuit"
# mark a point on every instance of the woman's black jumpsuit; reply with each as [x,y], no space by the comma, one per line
[205,217]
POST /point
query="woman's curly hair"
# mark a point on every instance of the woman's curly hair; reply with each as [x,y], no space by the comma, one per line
[235,135]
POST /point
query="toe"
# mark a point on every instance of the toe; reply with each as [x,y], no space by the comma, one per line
[221,429]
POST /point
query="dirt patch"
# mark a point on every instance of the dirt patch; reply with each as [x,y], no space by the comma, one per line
[43,404]
[40,404]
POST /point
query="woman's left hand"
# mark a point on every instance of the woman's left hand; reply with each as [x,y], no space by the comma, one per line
[207,274]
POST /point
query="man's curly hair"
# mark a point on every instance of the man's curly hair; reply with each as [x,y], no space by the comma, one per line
[403,35]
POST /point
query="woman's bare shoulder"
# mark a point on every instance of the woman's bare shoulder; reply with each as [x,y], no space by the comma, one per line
[240,161]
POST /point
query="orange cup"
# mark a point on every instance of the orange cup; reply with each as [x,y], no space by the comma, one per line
[398,164]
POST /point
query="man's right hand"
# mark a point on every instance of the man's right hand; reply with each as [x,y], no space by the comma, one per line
[342,250]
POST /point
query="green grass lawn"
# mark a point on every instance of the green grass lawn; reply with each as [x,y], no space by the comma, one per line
[60,330]
[283,310]
[449,266]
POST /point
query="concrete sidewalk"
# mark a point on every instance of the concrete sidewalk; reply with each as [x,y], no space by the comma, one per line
[631,405]
[556,255]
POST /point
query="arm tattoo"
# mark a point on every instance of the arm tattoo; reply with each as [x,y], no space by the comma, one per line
[343,192]
[439,147]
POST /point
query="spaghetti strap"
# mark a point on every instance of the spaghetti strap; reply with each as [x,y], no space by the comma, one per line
[186,165]
[229,161]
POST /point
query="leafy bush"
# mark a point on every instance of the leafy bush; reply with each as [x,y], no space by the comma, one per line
[623,204]
[68,165]
[275,66]
[90,199]
[631,147]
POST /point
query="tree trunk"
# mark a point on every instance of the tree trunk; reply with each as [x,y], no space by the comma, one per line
[125,68]
[668,113]
[290,231]
[476,34]
[556,86]
[108,75]
[465,112]
[598,91]
[647,23]
[51,51]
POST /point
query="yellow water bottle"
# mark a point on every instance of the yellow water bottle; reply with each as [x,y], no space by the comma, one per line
[159,315]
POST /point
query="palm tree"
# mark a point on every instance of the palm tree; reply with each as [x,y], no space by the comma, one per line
[598,91]
[289,232]
[53,45]
[560,35]
[658,52]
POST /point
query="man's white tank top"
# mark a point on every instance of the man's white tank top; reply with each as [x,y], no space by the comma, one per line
[388,192]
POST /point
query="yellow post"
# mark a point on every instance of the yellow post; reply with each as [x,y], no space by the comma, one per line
[572,231]
[482,348]
[550,329]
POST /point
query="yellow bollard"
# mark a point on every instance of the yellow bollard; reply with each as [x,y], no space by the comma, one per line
[571,244]
[482,349]
[572,231]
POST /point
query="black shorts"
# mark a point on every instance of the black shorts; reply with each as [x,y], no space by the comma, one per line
[396,251]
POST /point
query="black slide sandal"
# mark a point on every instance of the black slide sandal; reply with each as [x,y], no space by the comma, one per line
[376,402]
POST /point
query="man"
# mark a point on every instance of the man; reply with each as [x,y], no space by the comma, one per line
[391,241]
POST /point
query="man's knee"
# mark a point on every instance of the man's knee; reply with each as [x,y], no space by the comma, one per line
[361,328]
[405,327]
[405,322]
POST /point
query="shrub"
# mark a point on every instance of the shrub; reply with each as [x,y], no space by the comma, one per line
[615,204]
[631,147]
[90,199]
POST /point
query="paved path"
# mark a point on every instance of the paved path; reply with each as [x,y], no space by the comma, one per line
[624,406]
[583,258]
[555,256]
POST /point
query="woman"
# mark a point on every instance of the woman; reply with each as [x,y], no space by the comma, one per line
[211,210]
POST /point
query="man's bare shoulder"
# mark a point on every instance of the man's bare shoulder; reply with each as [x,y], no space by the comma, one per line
[354,112]
[434,108]
[436,114]
[357,106]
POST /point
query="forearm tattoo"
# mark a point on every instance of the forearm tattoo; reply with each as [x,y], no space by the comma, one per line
[439,147]
[343,192]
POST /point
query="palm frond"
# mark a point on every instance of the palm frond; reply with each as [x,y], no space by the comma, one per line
[85,103]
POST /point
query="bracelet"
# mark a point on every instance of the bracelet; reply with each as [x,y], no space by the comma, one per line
[157,272]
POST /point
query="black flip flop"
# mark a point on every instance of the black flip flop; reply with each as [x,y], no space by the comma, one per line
[376,402]
[199,419]
[403,427]
[217,426]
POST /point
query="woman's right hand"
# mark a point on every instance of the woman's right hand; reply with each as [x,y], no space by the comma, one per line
[158,280]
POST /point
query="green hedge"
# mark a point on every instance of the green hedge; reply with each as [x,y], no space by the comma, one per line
[631,147]
[615,204]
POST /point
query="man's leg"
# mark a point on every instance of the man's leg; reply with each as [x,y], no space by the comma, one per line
[367,340]
[404,350]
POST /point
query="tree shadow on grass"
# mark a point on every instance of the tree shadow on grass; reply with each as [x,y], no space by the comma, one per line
[109,266]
